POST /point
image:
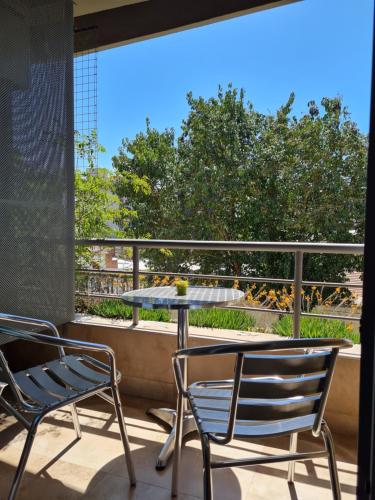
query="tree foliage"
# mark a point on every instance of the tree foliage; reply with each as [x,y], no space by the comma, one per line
[237,174]
[97,206]
[145,170]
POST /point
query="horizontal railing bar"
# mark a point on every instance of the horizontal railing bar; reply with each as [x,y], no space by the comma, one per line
[260,246]
[332,284]
[235,308]
[283,311]
[257,309]
[105,271]
[189,275]
[99,295]
[332,316]
[221,277]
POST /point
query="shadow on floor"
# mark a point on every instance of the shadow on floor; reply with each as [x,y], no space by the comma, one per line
[110,481]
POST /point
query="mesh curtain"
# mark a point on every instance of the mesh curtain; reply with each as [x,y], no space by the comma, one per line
[36,159]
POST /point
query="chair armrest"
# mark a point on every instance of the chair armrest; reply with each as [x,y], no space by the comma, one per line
[30,321]
[273,345]
[41,338]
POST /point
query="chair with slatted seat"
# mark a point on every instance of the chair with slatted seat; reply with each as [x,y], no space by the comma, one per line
[34,393]
[279,388]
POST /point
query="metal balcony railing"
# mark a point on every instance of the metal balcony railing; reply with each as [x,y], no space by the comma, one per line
[298,249]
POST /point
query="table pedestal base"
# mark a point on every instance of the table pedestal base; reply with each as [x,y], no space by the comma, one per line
[168,416]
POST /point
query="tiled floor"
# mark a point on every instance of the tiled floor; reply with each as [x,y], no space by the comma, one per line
[62,468]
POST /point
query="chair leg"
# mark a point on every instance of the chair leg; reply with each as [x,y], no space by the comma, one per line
[328,440]
[177,445]
[124,435]
[23,460]
[207,477]
[77,427]
[292,449]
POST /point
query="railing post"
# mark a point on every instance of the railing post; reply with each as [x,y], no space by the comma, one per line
[297,303]
[135,281]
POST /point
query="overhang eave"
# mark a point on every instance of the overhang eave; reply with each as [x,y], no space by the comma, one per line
[148,19]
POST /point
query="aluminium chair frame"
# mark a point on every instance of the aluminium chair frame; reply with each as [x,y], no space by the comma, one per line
[318,428]
[38,413]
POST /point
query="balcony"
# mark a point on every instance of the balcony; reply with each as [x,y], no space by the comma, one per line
[144,348]
[68,468]
[37,279]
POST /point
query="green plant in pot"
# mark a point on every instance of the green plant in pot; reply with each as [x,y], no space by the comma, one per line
[181,287]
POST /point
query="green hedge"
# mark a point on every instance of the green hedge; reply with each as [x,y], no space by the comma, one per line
[317,328]
[117,310]
[231,320]
[210,318]
[221,318]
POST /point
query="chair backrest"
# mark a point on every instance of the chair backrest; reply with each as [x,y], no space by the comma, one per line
[13,328]
[5,339]
[271,386]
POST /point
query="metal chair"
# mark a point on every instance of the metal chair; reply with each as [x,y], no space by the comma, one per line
[40,390]
[271,394]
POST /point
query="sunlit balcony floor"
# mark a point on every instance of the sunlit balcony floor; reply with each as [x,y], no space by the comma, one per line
[60,467]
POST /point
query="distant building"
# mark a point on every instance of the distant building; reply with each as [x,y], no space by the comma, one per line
[356,278]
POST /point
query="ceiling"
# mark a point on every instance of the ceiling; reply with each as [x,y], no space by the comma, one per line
[83,7]
[102,24]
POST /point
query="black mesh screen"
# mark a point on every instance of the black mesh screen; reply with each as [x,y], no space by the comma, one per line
[36,159]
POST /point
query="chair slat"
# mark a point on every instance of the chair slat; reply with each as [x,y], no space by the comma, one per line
[86,372]
[212,403]
[213,415]
[203,392]
[276,409]
[62,372]
[287,364]
[262,409]
[46,382]
[33,392]
[262,429]
[282,387]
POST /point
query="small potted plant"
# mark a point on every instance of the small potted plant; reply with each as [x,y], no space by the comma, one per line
[182,286]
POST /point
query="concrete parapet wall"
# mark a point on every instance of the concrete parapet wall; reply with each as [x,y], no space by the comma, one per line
[144,358]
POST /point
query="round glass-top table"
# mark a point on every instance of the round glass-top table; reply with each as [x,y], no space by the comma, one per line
[166,297]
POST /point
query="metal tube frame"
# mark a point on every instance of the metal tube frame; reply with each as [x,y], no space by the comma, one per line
[135,282]
[180,423]
[292,449]
[297,302]
[239,246]
[297,309]
[221,277]
[319,427]
[328,441]
[38,412]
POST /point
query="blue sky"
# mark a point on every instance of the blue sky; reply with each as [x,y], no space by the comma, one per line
[315,47]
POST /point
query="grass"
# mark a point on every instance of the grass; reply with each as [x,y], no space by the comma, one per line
[231,320]
[317,328]
[221,318]
[210,318]
[115,309]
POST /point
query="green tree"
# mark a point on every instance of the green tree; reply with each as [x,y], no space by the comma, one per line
[97,207]
[146,180]
[215,171]
[237,174]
